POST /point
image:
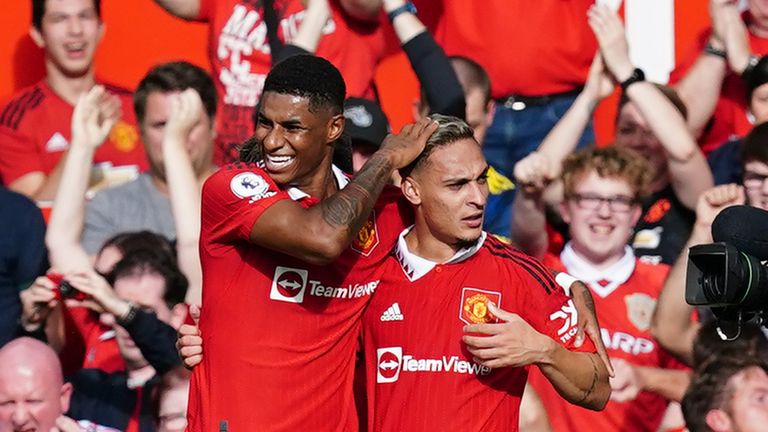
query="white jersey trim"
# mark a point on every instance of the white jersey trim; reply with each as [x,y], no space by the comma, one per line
[616,275]
[415,266]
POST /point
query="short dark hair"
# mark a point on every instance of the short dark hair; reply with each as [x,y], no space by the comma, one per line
[709,389]
[38,11]
[755,145]
[311,77]
[128,242]
[450,129]
[668,92]
[709,347]
[144,261]
[175,76]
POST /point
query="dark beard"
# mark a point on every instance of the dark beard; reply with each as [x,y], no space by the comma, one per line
[465,243]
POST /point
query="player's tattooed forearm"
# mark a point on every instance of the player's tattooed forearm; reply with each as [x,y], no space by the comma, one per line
[595,378]
[350,207]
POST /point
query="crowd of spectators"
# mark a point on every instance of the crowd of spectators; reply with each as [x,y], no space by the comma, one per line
[92,298]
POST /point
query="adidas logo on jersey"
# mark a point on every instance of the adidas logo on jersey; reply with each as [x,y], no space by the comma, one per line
[57,143]
[392,313]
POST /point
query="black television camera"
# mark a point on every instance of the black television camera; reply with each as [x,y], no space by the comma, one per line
[730,277]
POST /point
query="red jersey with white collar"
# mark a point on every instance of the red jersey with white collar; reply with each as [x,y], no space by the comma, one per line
[625,297]
[419,374]
[240,56]
[280,335]
[36,128]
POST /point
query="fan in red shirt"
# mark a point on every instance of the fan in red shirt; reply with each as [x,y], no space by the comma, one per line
[709,77]
[283,294]
[241,56]
[35,125]
[602,189]
[449,279]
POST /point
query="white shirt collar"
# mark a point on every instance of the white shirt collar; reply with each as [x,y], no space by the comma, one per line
[415,266]
[615,275]
[341,180]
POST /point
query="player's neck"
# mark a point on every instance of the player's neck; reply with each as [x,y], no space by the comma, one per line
[67,87]
[320,185]
[422,243]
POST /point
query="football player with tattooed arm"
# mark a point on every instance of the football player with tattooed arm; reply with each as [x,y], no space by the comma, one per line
[494,305]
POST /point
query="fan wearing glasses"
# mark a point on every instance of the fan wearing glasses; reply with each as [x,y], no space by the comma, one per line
[602,190]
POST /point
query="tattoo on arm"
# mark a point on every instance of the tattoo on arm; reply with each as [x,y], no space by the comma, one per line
[350,206]
[595,377]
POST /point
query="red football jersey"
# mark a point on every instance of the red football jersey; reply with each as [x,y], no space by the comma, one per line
[528,47]
[89,344]
[419,374]
[240,57]
[625,312]
[36,128]
[280,335]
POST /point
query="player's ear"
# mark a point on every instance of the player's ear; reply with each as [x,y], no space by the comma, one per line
[336,127]
[410,188]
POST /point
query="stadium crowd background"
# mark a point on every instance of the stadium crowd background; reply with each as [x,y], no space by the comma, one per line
[110,362]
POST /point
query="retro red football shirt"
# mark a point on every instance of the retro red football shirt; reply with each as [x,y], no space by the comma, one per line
[624,301]
[280,335]
[419,375]
[240,56]
[36,128]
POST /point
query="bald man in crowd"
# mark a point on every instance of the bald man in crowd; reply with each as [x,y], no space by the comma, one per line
[33,395]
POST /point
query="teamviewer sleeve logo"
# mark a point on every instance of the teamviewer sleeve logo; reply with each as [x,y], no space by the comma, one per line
[289,285]
[388,361]
[569,317]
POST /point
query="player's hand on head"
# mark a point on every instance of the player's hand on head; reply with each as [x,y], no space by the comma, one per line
[511,342]
[186,111]
[96,112]
[534,172]
[404,147]
[611,38]
[189,344]
[715,200]
[626,384]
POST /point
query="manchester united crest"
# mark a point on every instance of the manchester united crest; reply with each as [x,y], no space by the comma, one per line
[474,305]
[124,136]
[367,238]
[640,310]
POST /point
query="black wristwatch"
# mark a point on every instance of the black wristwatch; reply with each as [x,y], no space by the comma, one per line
[637,76]
[129,316]
[408,7]
[717,52]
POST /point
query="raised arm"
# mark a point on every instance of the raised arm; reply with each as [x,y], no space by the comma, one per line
[184,9]
[672,325]
[533,174]
[319,234]
[186,114]
[433,69]
[689,172]
[310,31]
[94,115]
[700,87]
